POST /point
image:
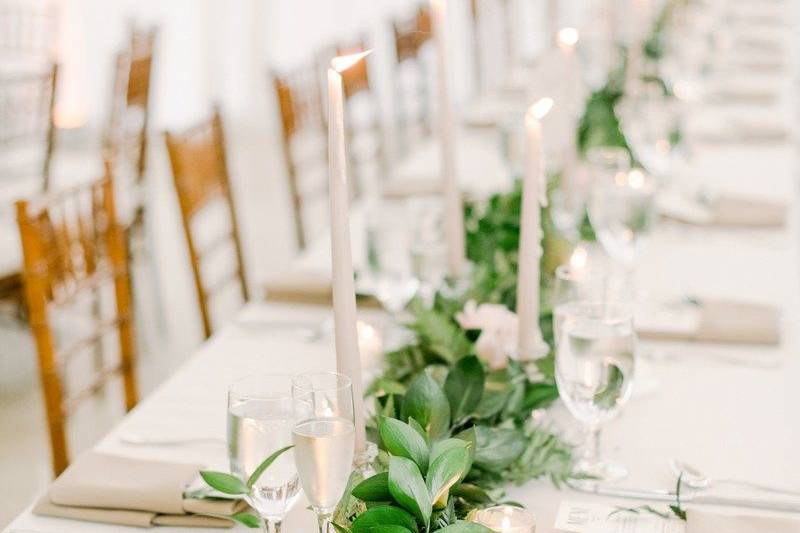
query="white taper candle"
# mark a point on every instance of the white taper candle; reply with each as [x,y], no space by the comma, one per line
[534,196]
[453,209]
[348,359]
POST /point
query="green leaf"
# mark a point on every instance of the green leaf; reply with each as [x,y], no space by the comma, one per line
[374,489]
[426,402]
[402,440]
[265,464]
[340,529]
[446,470]
[408,488]
[471,493]
[497,448]
[418,428]
[247,519]
[465,440]
[223,482]
[466,527]
[464,386]
[391,528]
[383,515]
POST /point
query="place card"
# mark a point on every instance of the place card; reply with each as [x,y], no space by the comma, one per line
[586,517]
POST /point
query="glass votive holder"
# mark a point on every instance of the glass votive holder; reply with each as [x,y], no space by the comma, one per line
[506,519]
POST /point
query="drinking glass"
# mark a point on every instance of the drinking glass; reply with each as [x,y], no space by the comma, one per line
[622,211]
[389,255]
[428,248]
[595,361]
[324,439]
[260,422]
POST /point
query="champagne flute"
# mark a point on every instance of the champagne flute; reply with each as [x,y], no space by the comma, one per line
[260,421]
[595,361]
[324,439]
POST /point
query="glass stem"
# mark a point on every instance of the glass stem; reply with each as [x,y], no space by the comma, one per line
[324,520]
[272,526]
[591,447]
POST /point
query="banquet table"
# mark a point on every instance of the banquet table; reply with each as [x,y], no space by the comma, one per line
[730,410]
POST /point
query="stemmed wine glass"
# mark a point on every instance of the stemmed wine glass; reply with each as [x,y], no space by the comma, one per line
[389,255]
[595,362]
[622,211]
[324,439]
[260,421]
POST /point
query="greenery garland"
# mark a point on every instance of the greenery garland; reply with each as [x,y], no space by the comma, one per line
[453,432]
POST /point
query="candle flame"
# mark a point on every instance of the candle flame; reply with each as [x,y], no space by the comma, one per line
[636,179]
[579,258]
[541,108]
[568,36]
[342,63]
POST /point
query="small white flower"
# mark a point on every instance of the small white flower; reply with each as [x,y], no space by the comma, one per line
[499,329]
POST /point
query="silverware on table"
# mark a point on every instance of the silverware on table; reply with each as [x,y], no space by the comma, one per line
[696,498]
[693,478]
[144,439]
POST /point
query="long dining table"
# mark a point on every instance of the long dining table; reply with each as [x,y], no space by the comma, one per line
[728,409]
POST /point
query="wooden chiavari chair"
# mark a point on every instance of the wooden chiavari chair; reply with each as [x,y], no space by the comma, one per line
[72,246]
[367,155]
[410,36]
[27,128]
[125,138]
[27,134]
[28,28]
[200,172]
[303,135]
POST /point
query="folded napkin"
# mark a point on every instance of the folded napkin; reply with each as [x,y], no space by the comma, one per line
[711,321]
[723,210]
[307,288]
[732,92]
[707,522]
[743,131]
[398,189]
[132,492]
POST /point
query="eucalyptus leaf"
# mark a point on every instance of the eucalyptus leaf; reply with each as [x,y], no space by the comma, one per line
[426,402]
[402,440]
[374,489]
[265,464]
[446,470]
[464,386]
[224,482]
[409,489]
[383,515]
[497,448]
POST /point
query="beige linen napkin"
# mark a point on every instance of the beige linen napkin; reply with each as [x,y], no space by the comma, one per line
[307,288]
[725,322]
[731,210]
[708,522]
[124,491]
[724,210]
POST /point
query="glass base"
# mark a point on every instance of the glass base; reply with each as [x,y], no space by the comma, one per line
[589,474]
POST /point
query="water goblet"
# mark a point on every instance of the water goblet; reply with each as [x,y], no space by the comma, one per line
[260,421]
[622,211]
[595,362]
